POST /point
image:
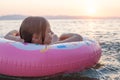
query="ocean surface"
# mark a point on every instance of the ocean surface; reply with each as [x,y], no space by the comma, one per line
[105,31]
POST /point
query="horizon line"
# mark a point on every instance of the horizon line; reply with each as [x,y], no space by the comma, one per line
[18,17]
[59,15]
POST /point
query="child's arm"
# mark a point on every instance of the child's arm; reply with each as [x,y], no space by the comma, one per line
[13,35]
[70,37]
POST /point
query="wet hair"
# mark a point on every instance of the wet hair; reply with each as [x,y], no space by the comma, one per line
[33,25]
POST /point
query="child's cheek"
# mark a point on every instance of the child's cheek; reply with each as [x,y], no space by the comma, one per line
[48,40]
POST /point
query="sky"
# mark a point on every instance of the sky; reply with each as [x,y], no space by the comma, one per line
[95,8]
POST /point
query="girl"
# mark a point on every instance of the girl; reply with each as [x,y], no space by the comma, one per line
[37,30]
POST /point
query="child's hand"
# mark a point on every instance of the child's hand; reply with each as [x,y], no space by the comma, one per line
[13,33]
[17,34]
[54,38]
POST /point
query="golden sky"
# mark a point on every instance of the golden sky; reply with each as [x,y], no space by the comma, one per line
[100,8]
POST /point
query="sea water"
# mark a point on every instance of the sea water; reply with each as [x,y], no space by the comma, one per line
[105,31]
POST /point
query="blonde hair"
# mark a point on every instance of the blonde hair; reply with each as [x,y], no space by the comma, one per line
[33,25]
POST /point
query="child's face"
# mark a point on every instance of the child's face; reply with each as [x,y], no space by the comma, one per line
[48,35]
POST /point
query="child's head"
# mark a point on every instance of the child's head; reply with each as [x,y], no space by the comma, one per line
[36,30]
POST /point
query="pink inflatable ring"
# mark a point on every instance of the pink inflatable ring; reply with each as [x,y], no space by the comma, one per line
[33,60]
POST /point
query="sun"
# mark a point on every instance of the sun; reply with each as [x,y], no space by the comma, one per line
[87,7]
[91,11]
[90,8]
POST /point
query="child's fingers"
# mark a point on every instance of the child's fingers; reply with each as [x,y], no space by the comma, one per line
[17,34]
